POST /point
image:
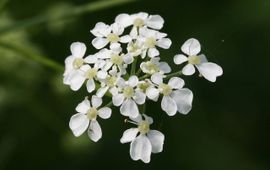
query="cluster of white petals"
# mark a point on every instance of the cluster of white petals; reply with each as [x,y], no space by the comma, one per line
[127,71]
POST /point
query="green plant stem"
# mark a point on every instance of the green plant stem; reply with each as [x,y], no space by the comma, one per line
[178,73]
[86,8]
[133,66]
[109,104]
[144,77]
[37,58]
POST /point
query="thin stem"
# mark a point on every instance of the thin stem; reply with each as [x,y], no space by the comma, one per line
[178,73]
[133,66]
[139,72]
[109,104]
[37,58]
[144,77]
[76,11]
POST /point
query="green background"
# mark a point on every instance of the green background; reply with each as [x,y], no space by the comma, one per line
[228,128]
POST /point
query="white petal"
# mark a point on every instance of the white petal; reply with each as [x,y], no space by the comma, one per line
[129,108]
[155,21]
[141,148]
[101,91]
[91,59]
[115,47]
[133,33]
[90,85]
[78,49]
[188,70]
[124,20]
[133,81]
[101,29]
[157,140]
[164,43]
[117,29]
[152,93]
[125,39]
[84,106]
[203,58]
[76,80]
[105,112]
[179,59]
[102,74]
[164,67]
[94,131]
[157,78]
[137,119]
[148,119]
[183,99]
[96,101]
[153,52]
[128,59]
[118,99]
[78,124]
[129,135]
[139,97]
[210,71]
[99,42]
[168,105]
[176,83]
[191,47]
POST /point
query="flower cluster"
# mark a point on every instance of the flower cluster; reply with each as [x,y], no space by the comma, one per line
[128,71]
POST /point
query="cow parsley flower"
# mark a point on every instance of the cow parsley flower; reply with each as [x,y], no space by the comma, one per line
[148,141]
[128,97]
[175,97]
[192,48]
[127,71]
[87,118]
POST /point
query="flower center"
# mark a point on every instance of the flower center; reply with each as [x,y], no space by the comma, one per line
[150,42]
[152,68]
[128,92]
[92,113]
[77,63]
[111,81]
[116,59]
[144,127]
[194,59]
[113,37]
[138,22]
[165,89]
[133,48]
[143,86]
[91,73]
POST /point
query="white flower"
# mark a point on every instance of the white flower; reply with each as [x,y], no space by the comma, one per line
[109,34]
[109,83]
[154,66]
[147,142]
[115,58]
[87,118]
[175,97]
[128,97]
[152,39]
[139,20]
[135,48]
[208,70]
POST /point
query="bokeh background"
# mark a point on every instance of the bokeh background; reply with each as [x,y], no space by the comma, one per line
[228,127]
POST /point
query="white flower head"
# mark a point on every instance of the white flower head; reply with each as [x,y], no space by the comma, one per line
[175,97]
[192,48]
[155,66]
[128,97]
[140,20]
[87,118]
[106,34]
[153,39]
[148,141]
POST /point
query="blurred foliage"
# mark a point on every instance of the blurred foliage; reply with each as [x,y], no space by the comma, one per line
[228,127]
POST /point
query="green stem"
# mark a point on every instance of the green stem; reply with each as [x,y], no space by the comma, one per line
[90,7]
[144,77]
[178,73]
[133,66]
[37,58]
[109,104]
